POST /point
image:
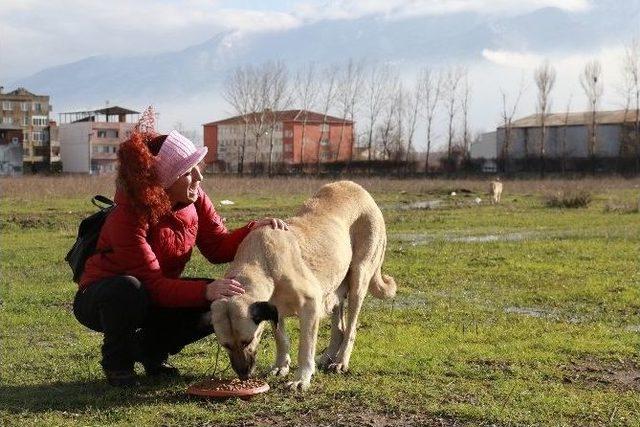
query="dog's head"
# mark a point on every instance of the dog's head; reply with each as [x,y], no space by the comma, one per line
[238,323]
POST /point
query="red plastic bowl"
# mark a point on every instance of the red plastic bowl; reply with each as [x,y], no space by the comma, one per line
[211,388]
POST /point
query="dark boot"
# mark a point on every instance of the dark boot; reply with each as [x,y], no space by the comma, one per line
[126,378]
[163,369]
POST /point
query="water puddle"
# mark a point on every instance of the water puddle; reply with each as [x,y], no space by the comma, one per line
[424,205]
[506,237]
[529,311]
[540,313]
[422,238]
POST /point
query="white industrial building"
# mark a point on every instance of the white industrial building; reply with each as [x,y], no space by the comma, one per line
[568,134]
[567,138]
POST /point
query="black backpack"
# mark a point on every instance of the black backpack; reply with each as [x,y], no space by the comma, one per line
[88,233]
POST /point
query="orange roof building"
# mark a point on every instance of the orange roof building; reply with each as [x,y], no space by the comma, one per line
[279,134]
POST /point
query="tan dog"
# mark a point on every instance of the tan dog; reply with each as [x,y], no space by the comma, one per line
[331,256]
[495,190]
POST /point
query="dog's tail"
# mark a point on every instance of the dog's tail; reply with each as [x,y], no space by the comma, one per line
[382,286]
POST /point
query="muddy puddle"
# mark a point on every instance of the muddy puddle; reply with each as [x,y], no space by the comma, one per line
[423,238]
[542,313]
[620,374]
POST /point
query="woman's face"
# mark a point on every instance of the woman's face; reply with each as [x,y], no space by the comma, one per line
[185,189]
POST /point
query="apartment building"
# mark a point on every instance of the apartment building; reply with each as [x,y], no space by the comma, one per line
[89,140]
[299,137]
[27,137]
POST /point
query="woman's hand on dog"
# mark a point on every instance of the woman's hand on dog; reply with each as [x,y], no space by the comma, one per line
[223,288]
[275,223]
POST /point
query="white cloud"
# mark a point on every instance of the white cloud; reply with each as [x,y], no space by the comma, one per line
[35,34]
[351,9]
[512,59]
[251,20]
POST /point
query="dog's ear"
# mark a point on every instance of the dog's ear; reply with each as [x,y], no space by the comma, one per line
[261,311]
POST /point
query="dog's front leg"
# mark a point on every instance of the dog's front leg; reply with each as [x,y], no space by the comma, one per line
[309,320]
[283,360]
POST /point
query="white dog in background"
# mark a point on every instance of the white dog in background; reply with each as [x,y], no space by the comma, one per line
[326,263]
[495,190]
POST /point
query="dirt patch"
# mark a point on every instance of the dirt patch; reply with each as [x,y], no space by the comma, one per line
[362,417]
[491,365]
[64,305]
[621,375]
[27,222]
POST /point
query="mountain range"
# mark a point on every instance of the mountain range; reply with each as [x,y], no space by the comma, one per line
[190,78]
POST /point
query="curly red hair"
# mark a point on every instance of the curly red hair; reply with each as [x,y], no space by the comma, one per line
[137,176]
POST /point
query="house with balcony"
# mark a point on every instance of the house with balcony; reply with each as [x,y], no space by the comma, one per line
[89,140]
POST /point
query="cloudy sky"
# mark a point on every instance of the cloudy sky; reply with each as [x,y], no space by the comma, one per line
[36,34]
[39,34]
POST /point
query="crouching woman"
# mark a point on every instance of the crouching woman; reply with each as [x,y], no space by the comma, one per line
[131,289]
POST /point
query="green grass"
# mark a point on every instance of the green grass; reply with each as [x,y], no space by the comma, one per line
[516,314]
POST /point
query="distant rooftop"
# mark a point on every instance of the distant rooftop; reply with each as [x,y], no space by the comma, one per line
[107,114]
[576,119]
[297,116]
[21,92]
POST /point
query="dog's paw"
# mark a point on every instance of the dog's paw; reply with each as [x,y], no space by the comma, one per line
[299,385]
[302,379]
[279,371]
[281,367]
[338,368]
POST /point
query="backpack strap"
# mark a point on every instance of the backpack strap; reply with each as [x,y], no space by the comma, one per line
[101,201]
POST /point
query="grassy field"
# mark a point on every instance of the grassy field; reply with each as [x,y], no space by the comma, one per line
[516,314]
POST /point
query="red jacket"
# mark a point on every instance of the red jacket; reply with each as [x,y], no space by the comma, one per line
[157,255]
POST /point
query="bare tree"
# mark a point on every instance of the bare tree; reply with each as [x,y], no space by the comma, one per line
[348,93]
[237,91]
[431,87]
[591,82]
[327,101]
[464,109]
[413,109]
[400,110]
[452,81]
[392,103]
[306,91]
[545,78]
[563,145]
[631,79]
[507,115]
[374,94]
[259,117]
[278,97]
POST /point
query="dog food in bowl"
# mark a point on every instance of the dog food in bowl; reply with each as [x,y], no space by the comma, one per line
[222,388]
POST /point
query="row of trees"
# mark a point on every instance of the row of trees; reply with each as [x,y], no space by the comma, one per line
[389,111]
[386,109]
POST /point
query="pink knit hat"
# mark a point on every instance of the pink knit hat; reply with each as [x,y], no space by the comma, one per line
[176,157]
